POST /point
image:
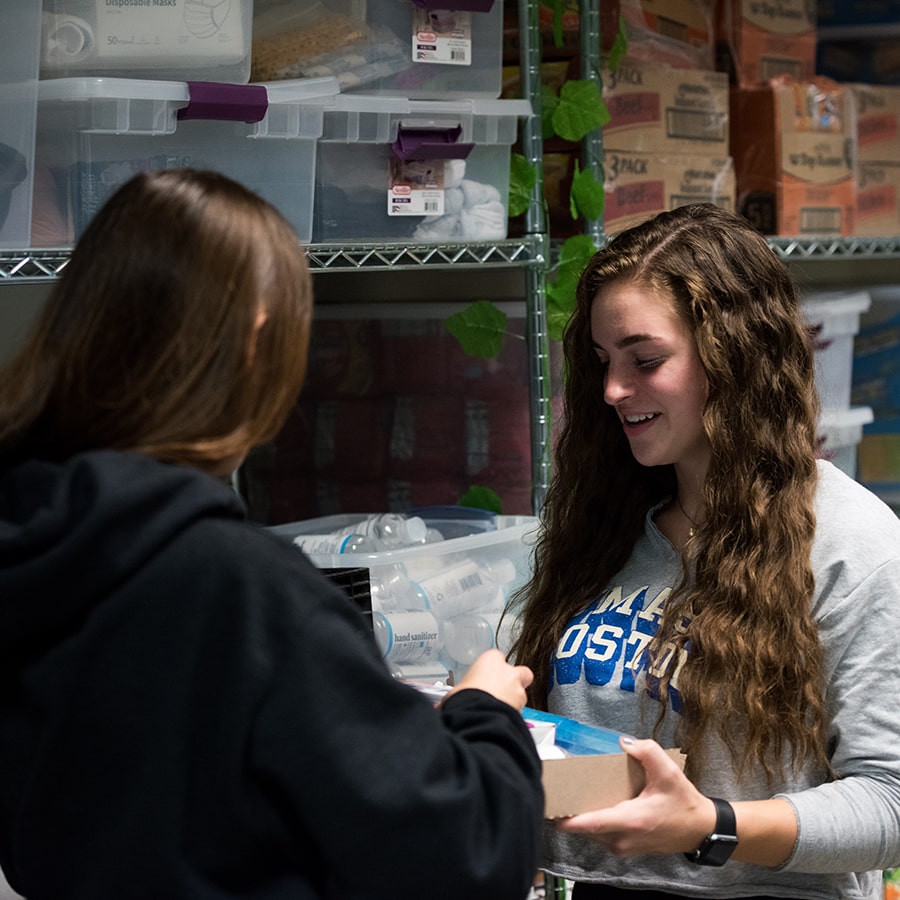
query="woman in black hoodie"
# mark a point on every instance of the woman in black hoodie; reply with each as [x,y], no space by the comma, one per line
[188,708]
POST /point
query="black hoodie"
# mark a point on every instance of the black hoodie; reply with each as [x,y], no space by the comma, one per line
[188,709]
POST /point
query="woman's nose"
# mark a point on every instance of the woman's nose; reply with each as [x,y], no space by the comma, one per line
[616,385]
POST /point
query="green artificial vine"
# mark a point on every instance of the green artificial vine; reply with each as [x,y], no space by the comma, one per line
[572,114]
[578,109]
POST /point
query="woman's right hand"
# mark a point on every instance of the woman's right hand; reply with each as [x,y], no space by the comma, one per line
[493,674]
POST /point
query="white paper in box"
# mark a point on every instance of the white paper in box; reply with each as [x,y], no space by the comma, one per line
[94,133]
[437,606]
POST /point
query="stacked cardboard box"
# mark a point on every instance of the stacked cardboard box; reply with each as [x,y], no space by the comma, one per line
[878,159]
[757,40]
[666,32]
[793,144]
[667,142]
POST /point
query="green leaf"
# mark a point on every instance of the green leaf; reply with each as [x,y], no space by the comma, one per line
[581,109]
[574,255]
[587,195]
[558,316]
[479,328]
[522,178]
[549,104]
[619,47]
[480,497]
[573,207]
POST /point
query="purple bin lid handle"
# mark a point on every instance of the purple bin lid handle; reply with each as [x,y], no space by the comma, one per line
[229,102]
[430,143]
[465,5]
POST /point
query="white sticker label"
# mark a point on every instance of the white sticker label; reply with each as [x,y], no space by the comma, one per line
[442,36]
[416,188]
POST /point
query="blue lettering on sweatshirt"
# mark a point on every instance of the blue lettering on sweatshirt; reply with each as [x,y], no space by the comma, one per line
[610,637]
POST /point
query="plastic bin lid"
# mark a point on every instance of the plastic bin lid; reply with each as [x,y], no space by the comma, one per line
[364,103]
[836,303]
[855,416]
[81,89]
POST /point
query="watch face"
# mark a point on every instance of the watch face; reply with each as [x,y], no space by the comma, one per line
[717,849]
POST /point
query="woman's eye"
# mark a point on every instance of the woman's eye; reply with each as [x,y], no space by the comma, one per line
[650,363]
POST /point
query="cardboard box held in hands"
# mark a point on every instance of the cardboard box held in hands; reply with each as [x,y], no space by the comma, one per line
[583,765]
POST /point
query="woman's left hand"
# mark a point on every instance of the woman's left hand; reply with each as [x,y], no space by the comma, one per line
[668,816]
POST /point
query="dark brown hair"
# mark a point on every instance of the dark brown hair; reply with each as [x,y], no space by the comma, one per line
[178,328]
[753,672]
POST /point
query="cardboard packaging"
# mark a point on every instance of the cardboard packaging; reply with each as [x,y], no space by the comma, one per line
[757,40]
[660,108]
[639,185]
[664,32]
[877,199]
[877,123]
[793,145]
[579,784]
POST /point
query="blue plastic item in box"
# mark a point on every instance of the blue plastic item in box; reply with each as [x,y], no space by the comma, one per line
[576,737]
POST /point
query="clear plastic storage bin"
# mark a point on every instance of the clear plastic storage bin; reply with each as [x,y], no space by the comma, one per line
[840,431]
[181,40]
[93,134]
[834,320]
[400,48]
[19,34]
[436,606]
[412,171]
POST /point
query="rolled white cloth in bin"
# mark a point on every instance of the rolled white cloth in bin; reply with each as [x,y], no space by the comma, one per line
[65,40]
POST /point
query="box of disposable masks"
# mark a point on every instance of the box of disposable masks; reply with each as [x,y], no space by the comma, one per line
[180,40]
[391,169]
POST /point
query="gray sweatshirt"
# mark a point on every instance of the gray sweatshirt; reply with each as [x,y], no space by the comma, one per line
[849,829]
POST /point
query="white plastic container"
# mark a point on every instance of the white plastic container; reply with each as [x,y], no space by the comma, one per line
[398,48]
[413,171]
[180,40]
[20,24]
[840,432]
[458,585]
[834,319]
[94,133]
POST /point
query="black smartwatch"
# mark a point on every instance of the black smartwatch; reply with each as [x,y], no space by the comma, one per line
[717,847]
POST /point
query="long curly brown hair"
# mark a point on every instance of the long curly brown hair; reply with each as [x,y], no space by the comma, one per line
[752,668]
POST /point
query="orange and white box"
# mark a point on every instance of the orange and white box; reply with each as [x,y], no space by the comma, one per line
[877,199]
[639,185]
[663,109]
[668,32]
[793,145]
[765,39]
[877,122]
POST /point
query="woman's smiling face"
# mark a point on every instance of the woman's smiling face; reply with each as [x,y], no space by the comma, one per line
[653,376]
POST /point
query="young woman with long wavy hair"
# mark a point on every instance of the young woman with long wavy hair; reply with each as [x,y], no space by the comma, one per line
[702,579]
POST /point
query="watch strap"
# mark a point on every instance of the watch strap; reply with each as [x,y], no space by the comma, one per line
[718,846]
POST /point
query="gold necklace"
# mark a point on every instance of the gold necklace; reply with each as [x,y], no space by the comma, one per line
[693,526]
